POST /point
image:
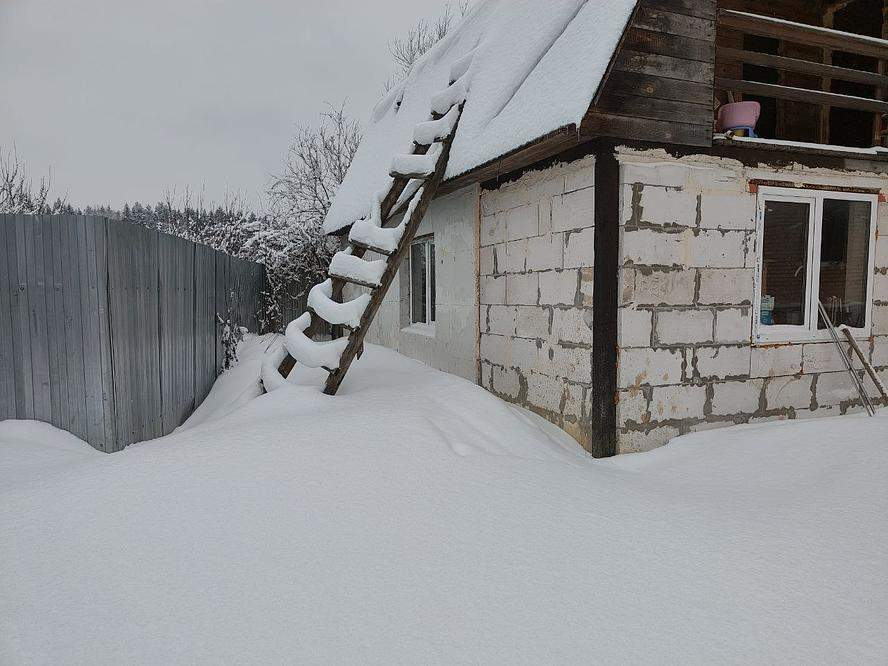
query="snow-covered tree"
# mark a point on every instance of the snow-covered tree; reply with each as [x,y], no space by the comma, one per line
[18,193]
[424,34]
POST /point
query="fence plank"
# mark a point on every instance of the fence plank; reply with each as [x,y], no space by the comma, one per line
[204,321]
[7,288]
[55,321]
[86,229]
[73,326]
[223,301]
[21,330]
[36,275]
[176,268]
[123,272]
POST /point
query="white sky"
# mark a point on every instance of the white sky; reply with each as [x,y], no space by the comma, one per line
[124,99]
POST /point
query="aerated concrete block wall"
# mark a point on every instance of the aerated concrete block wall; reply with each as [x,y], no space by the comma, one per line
[452,344]
[536,259]
[687,285]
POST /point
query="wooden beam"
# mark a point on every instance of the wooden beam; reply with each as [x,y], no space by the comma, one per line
[665,67]
[600,123]
[802,95]
[826,84]
[801,66]
[605,303]
[881,91]
[543,148]
[802,33]
[661,43]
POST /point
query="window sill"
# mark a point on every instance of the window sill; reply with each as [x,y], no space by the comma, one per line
[425,330]
[764,340]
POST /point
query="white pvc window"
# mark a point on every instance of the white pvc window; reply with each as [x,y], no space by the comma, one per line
[813,246]
[422,281]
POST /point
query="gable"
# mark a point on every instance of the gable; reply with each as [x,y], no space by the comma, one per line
[661,83]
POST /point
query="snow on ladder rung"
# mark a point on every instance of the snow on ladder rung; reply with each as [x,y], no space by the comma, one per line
[416,166]
[349,313]
[453,95]
[431,131]
[346,266]
[309,352]
[383,240]
[460,67]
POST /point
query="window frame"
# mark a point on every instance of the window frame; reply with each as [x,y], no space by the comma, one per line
[809,331]
[427,326]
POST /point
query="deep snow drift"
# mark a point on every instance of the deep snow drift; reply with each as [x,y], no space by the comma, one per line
[417,519]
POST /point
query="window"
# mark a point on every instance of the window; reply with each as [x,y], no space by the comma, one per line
[814,246]
[422,281]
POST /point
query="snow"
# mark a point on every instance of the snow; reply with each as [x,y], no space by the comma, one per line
[241,384]
[30,449]
[453,95]
[436,130]
[348,313]
[830,32]
[417,165]
[531,68]
[310,352]
[346,265]
[383,238]
[416,518]
[875,151]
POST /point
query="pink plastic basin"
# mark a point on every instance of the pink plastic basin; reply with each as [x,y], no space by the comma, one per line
[738,114]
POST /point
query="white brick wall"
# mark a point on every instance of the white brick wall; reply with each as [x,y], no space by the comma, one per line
[538,245]
[453,220]
[688,268]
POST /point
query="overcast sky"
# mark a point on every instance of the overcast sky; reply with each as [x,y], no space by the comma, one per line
[123,99]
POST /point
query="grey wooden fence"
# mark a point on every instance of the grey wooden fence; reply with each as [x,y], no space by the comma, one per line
[107,329]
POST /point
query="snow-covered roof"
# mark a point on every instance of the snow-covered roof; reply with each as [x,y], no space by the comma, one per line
[535,68]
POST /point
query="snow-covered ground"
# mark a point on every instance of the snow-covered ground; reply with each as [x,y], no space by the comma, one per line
[417,519]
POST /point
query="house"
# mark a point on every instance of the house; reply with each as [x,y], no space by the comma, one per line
[601,254]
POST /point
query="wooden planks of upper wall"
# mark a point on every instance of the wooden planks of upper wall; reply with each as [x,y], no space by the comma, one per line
[659,86]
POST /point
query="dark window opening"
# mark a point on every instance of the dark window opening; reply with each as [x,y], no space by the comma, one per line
[785,263]
[844,261]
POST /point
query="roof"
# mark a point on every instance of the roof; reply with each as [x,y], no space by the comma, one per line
[535,69]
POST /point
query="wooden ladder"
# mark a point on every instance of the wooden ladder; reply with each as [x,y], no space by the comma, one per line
[415,181]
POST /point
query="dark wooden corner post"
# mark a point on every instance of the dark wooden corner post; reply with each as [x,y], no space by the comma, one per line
[603,416]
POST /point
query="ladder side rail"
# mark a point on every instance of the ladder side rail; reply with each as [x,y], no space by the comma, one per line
[855,379]
[870,370]
[386,208]
[356,339]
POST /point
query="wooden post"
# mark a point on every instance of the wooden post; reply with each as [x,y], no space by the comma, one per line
[605,302]
[881,92]
[826,84]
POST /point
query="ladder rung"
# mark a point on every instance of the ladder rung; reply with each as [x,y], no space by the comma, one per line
[352,280]
[315,314]
[410,176]
[370,248]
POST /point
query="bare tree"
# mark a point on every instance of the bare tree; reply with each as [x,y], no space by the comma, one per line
[317,161]
[17,193]
[290,239]
[420,38]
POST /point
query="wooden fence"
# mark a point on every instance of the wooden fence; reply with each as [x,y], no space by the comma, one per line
[107,329]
